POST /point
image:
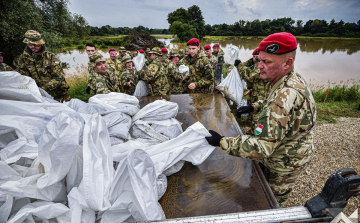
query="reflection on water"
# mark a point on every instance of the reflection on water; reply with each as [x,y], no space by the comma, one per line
[317,60]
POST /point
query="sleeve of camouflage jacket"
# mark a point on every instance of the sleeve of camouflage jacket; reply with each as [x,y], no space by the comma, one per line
[57,73]
[149,73]
[22,69]
[276,119]
[208,78]
[244,75]
[172,73]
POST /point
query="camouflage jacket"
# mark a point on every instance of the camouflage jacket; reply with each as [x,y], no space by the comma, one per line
[104,83]
[200,73]
[213,61]
[5,67]
[183,61]
[164,61]
[127,76]
[256,85]
[175,79]
[156,78]
[283,137]
[115,67]
[249,62]
[46,70]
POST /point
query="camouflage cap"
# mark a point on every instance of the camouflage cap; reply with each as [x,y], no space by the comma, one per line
[96,58]
[156,50]
[173,54]
[122,49]
[181,51]
[147,49]
[126,59]
[33,37]
[187,51]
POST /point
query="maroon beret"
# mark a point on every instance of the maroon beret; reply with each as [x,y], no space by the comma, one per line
[111,49]
[164,50]
[193,42]
[207,47]
[256,52]
[141,51]
[278,43]
[216,45]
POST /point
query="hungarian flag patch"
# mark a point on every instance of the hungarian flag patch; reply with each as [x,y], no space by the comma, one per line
[259,129]
[57,62]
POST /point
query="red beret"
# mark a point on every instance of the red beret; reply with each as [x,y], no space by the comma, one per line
[193,42]
[256,52]
[278,43]
[141,51]
[164,50]
[111,49]
[207,47]
[216,45]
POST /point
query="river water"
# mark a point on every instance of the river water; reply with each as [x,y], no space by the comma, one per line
[318,61]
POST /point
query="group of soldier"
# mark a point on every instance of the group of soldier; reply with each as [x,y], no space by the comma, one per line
[281,105]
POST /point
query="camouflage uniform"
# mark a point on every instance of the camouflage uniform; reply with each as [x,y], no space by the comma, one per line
[115,67]
[127,76]
[283,141]
[249,62]
[213,61]
[45,68]
[183,61]
[5,67]
[175,79]
[120,56]
[200,73]
[102,83]
[155,76]
[164,60]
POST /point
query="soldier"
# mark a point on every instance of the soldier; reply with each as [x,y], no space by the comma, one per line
[129,77]
[147,57]
[155,74]
[211,57]
[4,66]
[103,81]
[164,58]
[122,53]
[217,51]
[90,49]
[44,67]
[115,65]
[175,78]
[184,60]
[201,75]
[283,140]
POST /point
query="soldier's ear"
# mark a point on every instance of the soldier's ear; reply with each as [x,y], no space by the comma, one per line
[289,62]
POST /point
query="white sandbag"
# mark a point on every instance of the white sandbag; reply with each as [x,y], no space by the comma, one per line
[57,147]
[7,173]
[170,128]
[118,124]
[115,140]
[139,61]
[97,163]
[75,174]
[234,54]
[80,212]
[116,101]
[190,146]
[183,69]
[133,193]
[17,87]
[161,183]
[157,111]
[121,151]
[43,210]
[85,108]
[5,208]
[141,89]
[232,86]
[142,129]
[174,169]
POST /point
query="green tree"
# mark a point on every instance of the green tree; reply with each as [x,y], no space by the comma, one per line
[183,31]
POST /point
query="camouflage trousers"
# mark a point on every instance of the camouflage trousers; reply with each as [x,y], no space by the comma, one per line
[281,184]
[62,98]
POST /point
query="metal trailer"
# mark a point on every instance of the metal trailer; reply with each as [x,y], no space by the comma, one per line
[225,188]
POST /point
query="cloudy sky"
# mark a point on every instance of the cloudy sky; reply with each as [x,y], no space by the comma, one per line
[153,13]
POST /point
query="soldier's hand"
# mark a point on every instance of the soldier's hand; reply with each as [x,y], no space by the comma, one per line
[88,90]
[244,110]
[192,86]
[214,139]
[247,92]
[129,83]
[237,61]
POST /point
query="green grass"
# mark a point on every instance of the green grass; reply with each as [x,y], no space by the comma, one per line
[78,82]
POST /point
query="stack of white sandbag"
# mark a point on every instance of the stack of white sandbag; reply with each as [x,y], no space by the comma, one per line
[57,159]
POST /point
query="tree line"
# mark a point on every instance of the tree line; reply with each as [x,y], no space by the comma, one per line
[110,31]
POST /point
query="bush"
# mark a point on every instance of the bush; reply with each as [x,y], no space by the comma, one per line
[338,93]
[80,47]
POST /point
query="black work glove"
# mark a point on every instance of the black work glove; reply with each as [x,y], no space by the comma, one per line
[244,110]
[237,61]
[214,139]
[88,90]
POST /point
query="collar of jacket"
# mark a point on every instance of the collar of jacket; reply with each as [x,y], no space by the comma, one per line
[36,56]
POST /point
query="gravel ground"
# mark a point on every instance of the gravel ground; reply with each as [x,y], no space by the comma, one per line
[337,146]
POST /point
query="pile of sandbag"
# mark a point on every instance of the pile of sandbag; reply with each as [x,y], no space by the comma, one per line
[104,161]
